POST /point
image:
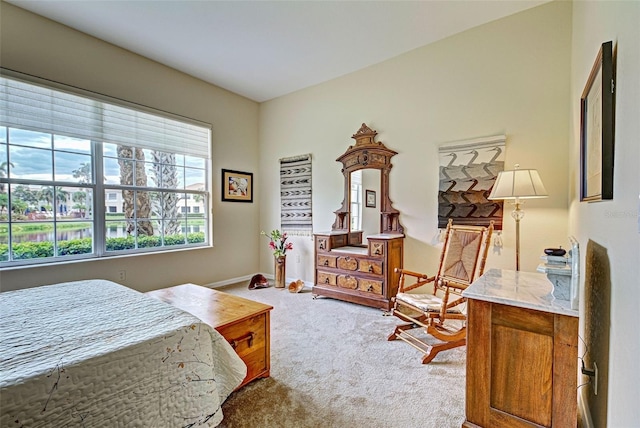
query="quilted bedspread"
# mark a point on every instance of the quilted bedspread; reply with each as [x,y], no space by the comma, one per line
[98,354]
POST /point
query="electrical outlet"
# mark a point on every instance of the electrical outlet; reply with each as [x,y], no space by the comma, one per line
[595,378]
[122,275]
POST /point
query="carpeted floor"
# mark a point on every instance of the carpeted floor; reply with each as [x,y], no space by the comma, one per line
[332,366]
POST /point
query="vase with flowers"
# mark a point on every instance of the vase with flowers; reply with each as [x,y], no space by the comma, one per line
[279,245]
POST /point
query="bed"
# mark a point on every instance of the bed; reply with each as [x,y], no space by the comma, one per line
[95,353]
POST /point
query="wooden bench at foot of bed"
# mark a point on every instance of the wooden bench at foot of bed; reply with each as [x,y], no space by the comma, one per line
[244,323]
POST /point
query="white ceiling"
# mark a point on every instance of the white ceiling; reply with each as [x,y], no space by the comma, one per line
[265,49]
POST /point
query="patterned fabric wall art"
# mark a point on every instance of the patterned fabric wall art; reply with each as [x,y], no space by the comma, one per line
[468,170]
[295,195]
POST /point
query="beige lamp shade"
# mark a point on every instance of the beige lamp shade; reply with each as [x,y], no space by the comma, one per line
[518,184]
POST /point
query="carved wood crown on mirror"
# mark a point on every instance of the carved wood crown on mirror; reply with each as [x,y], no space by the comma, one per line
[345,267]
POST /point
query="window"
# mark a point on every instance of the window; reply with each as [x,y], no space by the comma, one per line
[86,177]
[356,200]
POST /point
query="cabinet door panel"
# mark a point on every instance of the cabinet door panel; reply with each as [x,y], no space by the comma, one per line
[522,374]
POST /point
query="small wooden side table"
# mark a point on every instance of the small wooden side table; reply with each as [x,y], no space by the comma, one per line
[244,323]
[522,353]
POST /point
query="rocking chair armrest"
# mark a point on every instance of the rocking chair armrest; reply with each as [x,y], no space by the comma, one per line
[456,287]
[414,274]
[421,279]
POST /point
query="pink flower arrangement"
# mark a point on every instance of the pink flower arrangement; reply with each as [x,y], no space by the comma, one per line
[278,242]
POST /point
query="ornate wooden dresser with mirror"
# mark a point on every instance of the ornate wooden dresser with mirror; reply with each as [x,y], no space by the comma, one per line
[356,260]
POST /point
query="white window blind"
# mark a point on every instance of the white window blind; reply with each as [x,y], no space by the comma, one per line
[34,106]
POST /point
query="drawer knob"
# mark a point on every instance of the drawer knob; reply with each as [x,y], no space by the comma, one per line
[370,268]
[370,288]
[326,280]
[326,262]
[246,338]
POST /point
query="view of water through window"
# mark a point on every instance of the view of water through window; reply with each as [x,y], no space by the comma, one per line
[69,235]
[82,177]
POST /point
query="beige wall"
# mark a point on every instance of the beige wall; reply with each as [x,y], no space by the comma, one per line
[613,224]
[508,77]
[41,47]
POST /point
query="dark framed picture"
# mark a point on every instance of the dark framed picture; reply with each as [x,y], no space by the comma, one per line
[597,129]
[370,198]
[237,186]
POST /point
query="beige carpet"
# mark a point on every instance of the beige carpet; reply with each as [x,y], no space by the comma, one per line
[332,366]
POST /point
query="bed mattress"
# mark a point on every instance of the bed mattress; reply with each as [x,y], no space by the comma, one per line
[98,354]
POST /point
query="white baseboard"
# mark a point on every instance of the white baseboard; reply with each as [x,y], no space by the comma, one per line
[219,284]
[228,281]
[585,413]
[307,284]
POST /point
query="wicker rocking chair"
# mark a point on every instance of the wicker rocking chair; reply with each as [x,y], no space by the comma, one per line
[442,313]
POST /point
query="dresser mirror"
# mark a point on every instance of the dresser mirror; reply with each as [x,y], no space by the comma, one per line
[357,260]
[364,203]
[366,166]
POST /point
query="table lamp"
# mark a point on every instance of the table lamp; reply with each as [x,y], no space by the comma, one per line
[515,185]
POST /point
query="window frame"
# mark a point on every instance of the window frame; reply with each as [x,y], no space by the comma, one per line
[100,204]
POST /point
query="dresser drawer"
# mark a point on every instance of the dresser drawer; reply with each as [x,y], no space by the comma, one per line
[376,249]
[322,244]
[338,241]
[326,278]
[370,286]
[370,266]
[348,281]
[347,263]
[327,261]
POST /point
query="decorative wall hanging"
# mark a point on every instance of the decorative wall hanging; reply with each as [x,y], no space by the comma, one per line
[596,129]
[295,195]
[237,186]
[468,170]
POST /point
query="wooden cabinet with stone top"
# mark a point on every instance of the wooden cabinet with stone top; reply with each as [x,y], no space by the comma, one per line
[522,353]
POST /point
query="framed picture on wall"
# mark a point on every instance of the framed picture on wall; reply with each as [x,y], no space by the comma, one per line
[597,129]
[237,186]
[371,198]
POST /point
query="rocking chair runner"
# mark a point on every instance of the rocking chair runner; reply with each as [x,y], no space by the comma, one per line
[442,313]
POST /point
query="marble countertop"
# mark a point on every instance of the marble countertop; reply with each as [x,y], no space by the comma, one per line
[375,236]
[351,249]
[386,236]
[530,290]
[332,232]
